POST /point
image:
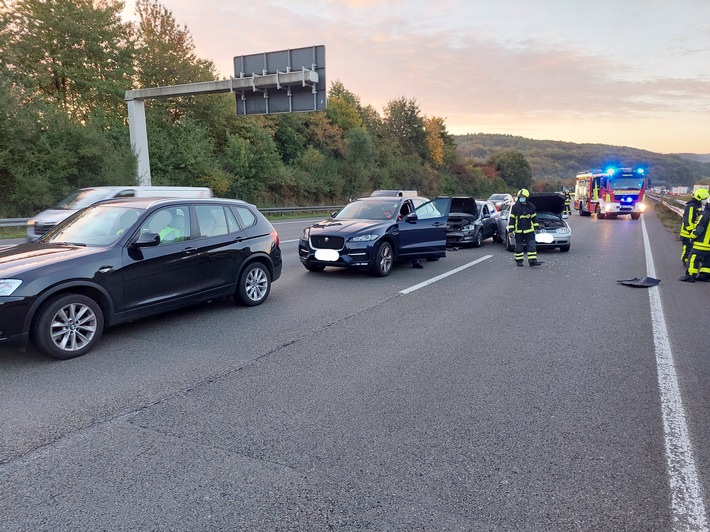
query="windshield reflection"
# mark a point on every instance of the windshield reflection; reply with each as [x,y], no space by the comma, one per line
[95,226]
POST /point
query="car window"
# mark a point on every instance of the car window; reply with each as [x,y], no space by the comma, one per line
[245,216]
[212,220]
[172,224]
[428,210]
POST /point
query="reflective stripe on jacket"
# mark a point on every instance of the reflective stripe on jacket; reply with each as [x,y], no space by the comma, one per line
[691,215]
[701,234]
[523,218]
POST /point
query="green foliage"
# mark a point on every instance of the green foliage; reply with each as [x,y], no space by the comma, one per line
[76,54]
[512,167]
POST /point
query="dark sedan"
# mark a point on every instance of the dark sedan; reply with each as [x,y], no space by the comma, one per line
[372,233]
[125,259]
[471,222]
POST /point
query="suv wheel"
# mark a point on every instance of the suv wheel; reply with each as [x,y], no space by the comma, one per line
[68,326]
[384,258]
[254,285]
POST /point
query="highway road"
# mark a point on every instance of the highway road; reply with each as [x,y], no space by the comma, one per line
[470,395]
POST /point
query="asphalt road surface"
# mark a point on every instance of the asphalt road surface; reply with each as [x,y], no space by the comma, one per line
[491,398]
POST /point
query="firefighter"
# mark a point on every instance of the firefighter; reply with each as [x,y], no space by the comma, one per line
[699,261]
[568,202]
[691,215]
[523,222]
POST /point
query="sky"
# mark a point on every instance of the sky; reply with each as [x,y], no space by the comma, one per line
[621,72]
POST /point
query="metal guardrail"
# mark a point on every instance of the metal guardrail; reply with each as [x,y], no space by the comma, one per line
[665,200]
[13,222]
[21,222]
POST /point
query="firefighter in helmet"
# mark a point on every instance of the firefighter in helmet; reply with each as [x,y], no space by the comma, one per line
[523,222]
[568,202]
[691,215]
[699,261]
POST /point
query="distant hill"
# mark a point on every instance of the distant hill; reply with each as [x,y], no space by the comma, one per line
[551,159]
[701,158]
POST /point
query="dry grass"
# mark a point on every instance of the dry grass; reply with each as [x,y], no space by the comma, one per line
[668,218]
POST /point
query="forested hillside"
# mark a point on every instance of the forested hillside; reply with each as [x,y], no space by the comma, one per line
[561,161]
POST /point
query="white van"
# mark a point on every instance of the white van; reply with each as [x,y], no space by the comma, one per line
[84,197]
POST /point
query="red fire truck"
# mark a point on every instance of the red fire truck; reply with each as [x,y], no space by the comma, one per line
[611,192]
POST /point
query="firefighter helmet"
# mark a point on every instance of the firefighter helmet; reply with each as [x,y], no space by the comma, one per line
[701,194]
[523,192]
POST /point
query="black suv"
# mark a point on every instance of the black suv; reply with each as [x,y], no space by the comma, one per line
[124,259]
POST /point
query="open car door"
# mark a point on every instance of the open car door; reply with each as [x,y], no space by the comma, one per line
[422,233]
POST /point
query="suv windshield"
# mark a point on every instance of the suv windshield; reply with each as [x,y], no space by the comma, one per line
[95,226]
[369,210]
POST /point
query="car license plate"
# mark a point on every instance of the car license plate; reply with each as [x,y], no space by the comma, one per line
[544,238]
[328,255]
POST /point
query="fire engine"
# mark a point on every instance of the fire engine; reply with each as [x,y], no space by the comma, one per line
[611,192]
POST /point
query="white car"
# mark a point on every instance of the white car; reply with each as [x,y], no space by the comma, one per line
[554,231]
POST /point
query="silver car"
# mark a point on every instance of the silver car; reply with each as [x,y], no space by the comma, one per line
[554,231]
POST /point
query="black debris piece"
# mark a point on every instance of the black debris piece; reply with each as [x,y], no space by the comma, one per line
[643,282]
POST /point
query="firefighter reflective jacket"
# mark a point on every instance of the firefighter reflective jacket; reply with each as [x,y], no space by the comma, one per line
[691,215]
[701,233]
[523,218]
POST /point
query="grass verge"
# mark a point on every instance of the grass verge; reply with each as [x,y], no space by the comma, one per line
[669,219]
[13,232]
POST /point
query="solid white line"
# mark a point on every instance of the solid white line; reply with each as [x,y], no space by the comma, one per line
[288,241]
[687,507]
[442,276]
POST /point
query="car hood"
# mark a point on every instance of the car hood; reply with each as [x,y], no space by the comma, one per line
[465,205]
[552,203]
[348,227]
[32,256]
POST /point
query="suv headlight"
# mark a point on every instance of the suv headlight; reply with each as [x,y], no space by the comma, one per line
[306,233]
[563,230]
[8,286]
[365,238]
[468,228]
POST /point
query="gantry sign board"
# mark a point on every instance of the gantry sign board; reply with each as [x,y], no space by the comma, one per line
[287,81]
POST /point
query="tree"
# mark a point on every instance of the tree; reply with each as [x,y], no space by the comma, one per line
[165,50]
[344,109]
[512,166]
[404,121]
[76,54]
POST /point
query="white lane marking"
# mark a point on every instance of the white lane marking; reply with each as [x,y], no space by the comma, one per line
[288,241]
[687,507]
[442,276]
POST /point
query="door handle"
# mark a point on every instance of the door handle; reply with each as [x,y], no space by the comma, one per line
[105,269]
[189,251]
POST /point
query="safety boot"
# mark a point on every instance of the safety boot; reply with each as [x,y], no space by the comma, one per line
[703,278]
[688,278]
[518,262]
[534,263]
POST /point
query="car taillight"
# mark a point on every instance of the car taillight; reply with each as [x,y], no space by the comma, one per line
[275,236]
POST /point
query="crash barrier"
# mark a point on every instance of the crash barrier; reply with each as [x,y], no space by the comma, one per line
[675,205]
[21,222]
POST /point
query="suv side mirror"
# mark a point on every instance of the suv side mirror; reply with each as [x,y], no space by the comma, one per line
[146,240]
[411,217]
